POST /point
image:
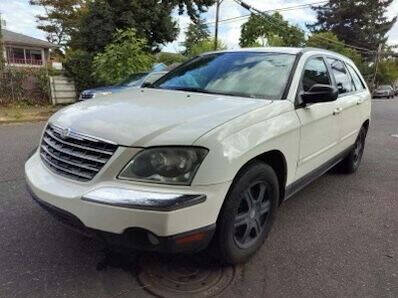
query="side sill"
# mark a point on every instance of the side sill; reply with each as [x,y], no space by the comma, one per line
[298,185]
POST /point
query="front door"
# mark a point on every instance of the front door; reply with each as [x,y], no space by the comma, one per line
[319,122]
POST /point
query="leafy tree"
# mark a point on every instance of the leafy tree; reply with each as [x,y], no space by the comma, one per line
[193,7]
[362,23]
[78,65]
[60,19]
[272,29]
[195,33]
[388,71]
[329,41]
[206,46]
[1,47]
[121,58]
[170,58]
[99,19]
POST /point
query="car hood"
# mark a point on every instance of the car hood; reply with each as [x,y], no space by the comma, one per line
[149,117]
[105,89]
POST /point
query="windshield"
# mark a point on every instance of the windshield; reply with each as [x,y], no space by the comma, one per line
[247,74]
[385,87]
[133,80]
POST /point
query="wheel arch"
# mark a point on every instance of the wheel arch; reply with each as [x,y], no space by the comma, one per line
[366,124]
[277,161]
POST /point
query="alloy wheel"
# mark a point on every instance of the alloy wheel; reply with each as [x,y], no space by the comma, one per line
[359,147]
[253,212]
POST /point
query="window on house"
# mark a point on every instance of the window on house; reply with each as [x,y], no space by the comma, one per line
[24,56]
[33,56]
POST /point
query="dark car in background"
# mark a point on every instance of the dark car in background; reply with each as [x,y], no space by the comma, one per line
[386,91]
[136,80]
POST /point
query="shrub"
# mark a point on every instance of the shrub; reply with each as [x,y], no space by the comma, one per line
[124,56]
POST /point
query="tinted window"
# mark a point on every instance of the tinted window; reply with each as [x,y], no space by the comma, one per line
[343,79]
[248,74]
[355,77]
[315,72]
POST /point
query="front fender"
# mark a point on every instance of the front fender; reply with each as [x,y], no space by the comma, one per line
[231,146]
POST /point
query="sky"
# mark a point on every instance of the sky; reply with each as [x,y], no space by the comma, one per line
[20,17]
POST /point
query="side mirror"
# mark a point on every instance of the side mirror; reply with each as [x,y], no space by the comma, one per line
[320,93]
[146,85]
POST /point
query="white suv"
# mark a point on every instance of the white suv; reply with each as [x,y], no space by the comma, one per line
[205,154]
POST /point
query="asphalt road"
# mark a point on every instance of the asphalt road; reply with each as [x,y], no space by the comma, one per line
[336,238]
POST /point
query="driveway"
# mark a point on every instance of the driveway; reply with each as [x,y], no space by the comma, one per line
[336,238]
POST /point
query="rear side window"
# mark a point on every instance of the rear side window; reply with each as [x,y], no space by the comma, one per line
[343,78]
[359,85]
[315,72]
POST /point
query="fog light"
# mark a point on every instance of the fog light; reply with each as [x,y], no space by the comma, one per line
[153,239]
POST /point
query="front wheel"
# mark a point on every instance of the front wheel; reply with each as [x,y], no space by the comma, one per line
[248,213]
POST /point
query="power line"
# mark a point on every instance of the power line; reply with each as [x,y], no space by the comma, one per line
[250,8]
[289,8]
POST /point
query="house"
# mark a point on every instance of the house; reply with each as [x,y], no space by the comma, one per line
[25,51]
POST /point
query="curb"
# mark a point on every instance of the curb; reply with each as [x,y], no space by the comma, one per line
[33,119]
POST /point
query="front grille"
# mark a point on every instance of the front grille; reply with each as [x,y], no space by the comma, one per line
[74,155]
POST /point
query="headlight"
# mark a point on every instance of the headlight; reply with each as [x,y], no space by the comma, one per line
[167,165]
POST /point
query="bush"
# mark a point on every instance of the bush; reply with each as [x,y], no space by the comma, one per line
[79,66]
[28,85]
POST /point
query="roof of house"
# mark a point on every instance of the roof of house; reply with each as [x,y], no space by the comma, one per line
[21,39]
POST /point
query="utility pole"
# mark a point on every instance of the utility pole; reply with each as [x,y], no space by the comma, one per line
[378,54]
[218,3]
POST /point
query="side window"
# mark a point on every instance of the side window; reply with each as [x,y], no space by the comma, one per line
[359,85]
[315,72]
[343,78]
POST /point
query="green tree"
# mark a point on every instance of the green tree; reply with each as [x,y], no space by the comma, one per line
[170,58]
[206,46]
[387,72]
[272,30]
[122,57]
[78,65]
[60,20]
[98,20]
[1,46]
[362,23]
[196,32]
[329,41]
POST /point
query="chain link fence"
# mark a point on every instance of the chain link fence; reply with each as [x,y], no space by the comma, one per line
[24,85]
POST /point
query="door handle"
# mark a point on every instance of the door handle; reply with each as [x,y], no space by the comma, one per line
[360,101]
[337,111]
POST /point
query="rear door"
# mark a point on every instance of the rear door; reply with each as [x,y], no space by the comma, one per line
[320,126]
[347,104]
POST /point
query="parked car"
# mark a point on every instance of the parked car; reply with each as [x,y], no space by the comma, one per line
[384,91]
[136,80]
[396,90]
[207,154]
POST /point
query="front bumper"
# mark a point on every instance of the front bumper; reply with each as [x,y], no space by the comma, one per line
[86,207]
[134,238]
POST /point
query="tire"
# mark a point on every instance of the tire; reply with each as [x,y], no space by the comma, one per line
[352,162]
[247,216]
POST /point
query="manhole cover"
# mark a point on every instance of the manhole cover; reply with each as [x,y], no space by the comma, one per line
[184,276]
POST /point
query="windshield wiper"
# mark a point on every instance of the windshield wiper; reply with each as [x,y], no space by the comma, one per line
[201,90]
